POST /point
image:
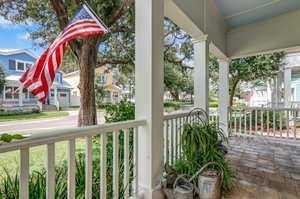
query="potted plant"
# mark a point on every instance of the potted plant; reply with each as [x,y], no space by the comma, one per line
[201,142]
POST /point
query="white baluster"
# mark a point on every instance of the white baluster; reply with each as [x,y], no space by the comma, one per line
[116,164]
[172,141]
[250,122]
[135,159]
[89,167]
[255,122]
[240,132]
[274,123]
[280,118]
[50,179]
[167,142]
[287,124]
[261,122]
[71,169]
[295,126]
[268,122]
[24,174]
[176,138]
[126,164]
[103,187]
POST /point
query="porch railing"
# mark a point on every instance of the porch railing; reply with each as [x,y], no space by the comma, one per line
[280,123]
[70,135]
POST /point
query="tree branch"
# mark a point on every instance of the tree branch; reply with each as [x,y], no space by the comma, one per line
[119,12]
[62,18]
[104,62]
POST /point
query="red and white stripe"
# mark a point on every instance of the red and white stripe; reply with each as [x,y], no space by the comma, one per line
[39,78]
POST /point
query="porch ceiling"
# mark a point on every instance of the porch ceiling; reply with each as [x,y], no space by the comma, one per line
[238,28]
[238,13]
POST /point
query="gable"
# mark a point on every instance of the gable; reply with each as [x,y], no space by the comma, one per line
[9,62]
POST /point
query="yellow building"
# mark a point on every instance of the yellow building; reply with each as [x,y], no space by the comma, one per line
[73,79]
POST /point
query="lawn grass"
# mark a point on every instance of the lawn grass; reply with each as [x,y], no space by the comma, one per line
[33,116]
[37,159]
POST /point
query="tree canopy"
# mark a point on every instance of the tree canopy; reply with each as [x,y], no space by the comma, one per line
[52,16]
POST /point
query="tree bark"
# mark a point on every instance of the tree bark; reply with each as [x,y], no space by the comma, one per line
[175,95]
[232,92]
[87,60]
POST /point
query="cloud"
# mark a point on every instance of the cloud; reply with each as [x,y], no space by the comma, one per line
[5,24]
[23,36]
[8,24]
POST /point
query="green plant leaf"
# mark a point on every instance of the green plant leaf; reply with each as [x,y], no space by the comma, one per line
[6,137]
[18,136]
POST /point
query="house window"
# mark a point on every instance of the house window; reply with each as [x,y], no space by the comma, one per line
[116,95]
[22,65]
[74,93]
[63,95]
[8,90]
[103,79]
[57,77]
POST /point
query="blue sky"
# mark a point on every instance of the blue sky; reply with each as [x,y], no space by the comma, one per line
[14,36]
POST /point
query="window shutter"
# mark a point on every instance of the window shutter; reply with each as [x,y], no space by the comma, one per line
[12,64]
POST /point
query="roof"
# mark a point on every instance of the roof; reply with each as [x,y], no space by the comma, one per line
[16,78]
[72,73]
[17,51]
[78,71]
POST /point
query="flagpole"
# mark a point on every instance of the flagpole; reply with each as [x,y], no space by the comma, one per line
[112,34]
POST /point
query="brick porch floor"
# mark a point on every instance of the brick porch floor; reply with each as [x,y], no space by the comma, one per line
[264,169]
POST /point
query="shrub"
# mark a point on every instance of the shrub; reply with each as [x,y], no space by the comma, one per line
[171,106]
[18,111]
[213,104]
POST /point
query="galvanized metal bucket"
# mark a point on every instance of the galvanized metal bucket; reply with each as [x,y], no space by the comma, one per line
[183,188]
[209,186]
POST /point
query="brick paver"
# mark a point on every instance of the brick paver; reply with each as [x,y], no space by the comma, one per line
[264,169]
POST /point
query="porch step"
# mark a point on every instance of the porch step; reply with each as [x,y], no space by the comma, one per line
[49,108]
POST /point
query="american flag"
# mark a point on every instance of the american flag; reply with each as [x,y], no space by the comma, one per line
[39,78]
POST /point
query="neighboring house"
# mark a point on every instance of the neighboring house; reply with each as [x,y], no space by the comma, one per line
[73,79]
[128,92]
[15,63]
[284,89]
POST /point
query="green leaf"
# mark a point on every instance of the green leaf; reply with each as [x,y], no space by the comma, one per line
[17,136]
[6,137]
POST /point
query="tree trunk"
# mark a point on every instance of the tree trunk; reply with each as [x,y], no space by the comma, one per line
[87,115]
[232,92]
[175,95]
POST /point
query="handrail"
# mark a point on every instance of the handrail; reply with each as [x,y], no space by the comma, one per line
[177,115]
[263,108]
[67,134]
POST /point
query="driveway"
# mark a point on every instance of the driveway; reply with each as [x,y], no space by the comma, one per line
[45,124]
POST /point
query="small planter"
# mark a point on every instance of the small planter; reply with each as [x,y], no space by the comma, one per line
[209,186]
[182,189]
[209,183]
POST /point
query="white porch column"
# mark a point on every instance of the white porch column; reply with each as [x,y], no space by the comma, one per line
[201,77]
[279,89]
[55,97]
[111,97]
[21,96]
[269,92]
[223,94]
[149,93]
[287,87]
